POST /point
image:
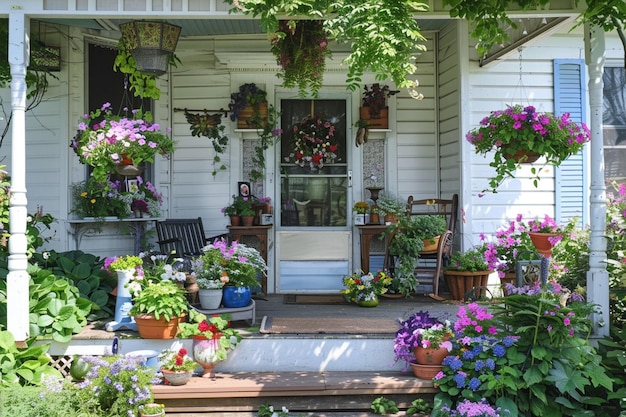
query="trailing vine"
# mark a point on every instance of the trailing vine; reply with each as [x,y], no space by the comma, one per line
[209,125]
[267,135]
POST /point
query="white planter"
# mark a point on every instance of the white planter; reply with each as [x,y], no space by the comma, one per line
[359,219]
[210,299]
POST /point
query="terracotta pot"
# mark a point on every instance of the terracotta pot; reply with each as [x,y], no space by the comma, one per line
[374,218]
[542,242]
[390,218]
[235,220]
[176,377]
[380,122]
[425,371]
[245,116]
[427,356]
[461,282]
[247,221]
[151,328]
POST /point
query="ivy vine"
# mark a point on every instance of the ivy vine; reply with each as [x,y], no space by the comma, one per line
[210,126]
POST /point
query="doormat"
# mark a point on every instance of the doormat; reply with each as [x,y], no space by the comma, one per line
[314,299]
[333,325]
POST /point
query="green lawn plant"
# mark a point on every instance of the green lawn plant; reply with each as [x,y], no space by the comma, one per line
[23,366]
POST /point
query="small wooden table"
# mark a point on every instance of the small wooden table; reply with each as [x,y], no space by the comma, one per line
[260,232]
[366,233]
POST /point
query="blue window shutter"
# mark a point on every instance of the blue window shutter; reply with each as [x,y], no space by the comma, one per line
[571,177]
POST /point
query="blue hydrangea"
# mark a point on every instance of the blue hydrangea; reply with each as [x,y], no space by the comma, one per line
[468,355]
[474,384]
[480,364]
[456,364]
[459,379]
[490,363]
[499,350]
[509,341]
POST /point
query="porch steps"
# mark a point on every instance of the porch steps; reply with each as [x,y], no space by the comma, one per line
[319,394]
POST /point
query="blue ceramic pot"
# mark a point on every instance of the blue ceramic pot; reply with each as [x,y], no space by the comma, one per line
[236,297]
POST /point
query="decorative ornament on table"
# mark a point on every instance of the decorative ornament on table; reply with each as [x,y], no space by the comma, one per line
[509,133]
[313,143]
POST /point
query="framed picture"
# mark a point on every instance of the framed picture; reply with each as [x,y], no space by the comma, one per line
[244,189]
[132,186]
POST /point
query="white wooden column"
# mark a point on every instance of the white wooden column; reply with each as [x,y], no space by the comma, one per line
[18,278]
[597,276]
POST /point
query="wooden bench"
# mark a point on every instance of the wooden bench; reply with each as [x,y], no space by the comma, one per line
[185,237]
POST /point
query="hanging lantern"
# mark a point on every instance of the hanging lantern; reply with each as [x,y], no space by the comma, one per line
[151,44]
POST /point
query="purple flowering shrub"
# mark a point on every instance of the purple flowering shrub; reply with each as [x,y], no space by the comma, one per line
[469,408]
[119,383]
[528,355]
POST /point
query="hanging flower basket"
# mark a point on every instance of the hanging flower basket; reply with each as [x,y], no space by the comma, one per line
[521,134]
[151,44]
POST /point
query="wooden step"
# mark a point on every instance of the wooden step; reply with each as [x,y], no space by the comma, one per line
[234,394]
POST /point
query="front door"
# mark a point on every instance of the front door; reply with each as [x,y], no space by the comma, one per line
[314,239]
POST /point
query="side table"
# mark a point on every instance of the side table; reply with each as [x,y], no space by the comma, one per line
[366,233]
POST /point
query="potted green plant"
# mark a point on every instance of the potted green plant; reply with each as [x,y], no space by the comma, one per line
[237,266]
[176,366]
[93,199]
[406,240]
[158,309]
[374,110]
[212,338]
[468,271]
[430,226]
[522,135]
[392,208]
[248,106]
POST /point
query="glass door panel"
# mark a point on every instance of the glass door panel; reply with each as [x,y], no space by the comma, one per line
[314,191]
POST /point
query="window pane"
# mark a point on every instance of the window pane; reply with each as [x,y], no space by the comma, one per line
[615,164]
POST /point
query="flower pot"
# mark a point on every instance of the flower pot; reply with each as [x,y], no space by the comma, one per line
[151,328]
[431,245]
[147,411]
[236,297]
[390,219]
[359,219]
[374,218]
[176,377]
[235,220]
[428,356]
[247,221]
[380,122]
[205,353]
[508,278]
[522,156]
[542,242]
[246,116]
[210,299]
[461,282]
[425,371]
[149,357]
[368,303]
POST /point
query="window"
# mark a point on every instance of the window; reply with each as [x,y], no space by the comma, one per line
[614,123]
